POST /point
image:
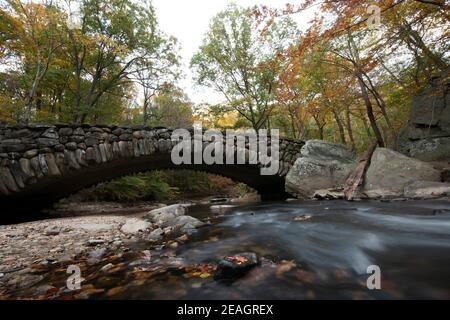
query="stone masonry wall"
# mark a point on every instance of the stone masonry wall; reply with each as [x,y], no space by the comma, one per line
[30,153]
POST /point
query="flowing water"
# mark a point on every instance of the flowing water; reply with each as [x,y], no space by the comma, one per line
[324,254]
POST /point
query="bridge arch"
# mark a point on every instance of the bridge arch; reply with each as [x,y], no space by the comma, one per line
[41,164]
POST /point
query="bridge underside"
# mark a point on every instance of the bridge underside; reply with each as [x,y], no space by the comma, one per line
[31,200]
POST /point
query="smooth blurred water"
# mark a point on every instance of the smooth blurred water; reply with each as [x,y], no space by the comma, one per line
[323,257]
[409,241]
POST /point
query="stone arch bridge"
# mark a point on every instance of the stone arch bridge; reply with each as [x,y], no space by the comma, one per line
[41,164]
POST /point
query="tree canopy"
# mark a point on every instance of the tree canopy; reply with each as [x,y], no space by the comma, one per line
[80,72]
[348,77]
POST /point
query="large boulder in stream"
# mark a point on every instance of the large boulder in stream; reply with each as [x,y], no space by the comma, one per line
[322,165]
[174,218]
[163,216]
[390,172]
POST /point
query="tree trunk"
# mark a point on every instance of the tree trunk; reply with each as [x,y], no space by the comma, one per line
[34,86]
[146,113]
[319,127]
[357,177]
[350,129]
[380,102]
[366,126]
[363,87]
[413,37]
[369,109]
[340,127]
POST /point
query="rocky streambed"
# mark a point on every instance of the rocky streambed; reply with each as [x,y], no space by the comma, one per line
[280,250]
[29,250]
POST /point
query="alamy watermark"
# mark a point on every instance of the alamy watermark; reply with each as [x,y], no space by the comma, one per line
[237,147]
[374,20]
[73,282]
[374,280]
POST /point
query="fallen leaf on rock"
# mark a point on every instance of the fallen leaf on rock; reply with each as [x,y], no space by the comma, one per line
[53,291]
[206,268]
[114,258]
[141,269]
[119,267]
[201,271]
[87,291]
[141,274]
[115,291]
[39,268]
[107,267]
[200,274]
[137,282]
[237,259]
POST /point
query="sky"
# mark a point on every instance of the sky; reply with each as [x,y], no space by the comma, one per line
[188,21]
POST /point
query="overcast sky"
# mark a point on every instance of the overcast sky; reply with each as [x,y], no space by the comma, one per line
[188,21]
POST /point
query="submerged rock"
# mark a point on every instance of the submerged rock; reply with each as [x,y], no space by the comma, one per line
[236,266]
[185,223]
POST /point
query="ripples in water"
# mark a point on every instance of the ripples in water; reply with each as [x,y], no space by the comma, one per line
[322,255]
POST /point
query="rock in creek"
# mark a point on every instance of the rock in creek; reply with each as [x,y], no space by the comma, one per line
[134,225]
[52,231]
[95,242]
[236,266]
[322,165]
[173,217]
[390,172]
[156,235]
[427,190]
[165,214]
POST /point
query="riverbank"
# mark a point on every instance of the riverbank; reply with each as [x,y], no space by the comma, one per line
[27,249]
